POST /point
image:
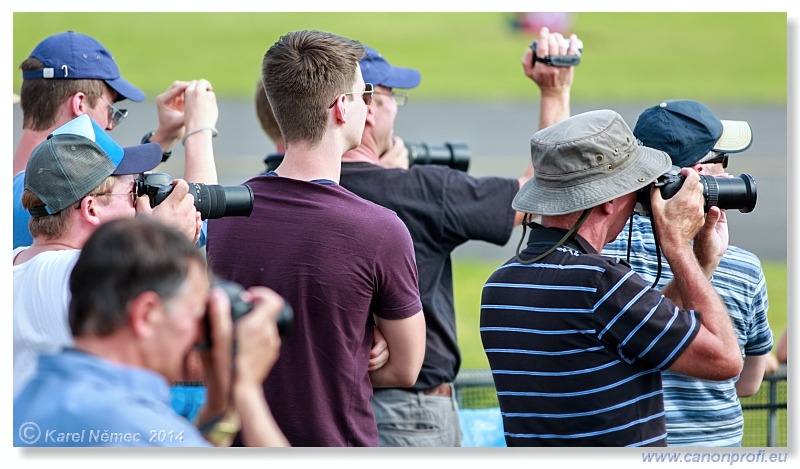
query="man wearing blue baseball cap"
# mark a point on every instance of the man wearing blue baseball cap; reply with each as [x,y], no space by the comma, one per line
[70,74]
[76,180]
[701,412]
[443,208]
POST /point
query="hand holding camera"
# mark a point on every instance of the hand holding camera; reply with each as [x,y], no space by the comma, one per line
[178,210]
[240,339]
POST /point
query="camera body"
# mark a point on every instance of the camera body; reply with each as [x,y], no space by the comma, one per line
[559,60]
[453,154]
[240,308]
[211,200]
[725,193]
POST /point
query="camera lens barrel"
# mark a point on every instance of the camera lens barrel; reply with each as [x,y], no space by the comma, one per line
[215,201]
[455,155]
[726,193]
[730,193]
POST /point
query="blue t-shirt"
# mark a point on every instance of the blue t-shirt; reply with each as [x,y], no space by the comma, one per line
[22,237]
[78,399]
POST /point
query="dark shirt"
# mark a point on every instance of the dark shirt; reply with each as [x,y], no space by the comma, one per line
[336,259]
[576,343]
[442,208]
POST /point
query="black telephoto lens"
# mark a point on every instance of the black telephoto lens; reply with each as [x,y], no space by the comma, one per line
[214,201]
[729,193]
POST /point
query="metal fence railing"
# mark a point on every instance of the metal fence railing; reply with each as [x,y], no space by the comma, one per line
[765,413]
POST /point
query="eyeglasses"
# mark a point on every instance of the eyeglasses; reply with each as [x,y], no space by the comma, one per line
[399,98]
[366,95]
[114,113]
[131,195]
[718,158]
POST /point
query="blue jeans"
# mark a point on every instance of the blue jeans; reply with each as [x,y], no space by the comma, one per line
[413,418]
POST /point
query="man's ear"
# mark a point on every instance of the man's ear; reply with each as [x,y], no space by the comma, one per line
[340,110]
[79,103]
[88,210]
[145,312]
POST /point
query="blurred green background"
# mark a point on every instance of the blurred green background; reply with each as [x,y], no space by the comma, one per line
[630,57]
[713,57]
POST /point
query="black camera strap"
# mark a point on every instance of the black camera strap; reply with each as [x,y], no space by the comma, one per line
[564,240]
[655,240]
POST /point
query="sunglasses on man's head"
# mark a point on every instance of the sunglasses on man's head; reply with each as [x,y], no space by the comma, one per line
[721,158]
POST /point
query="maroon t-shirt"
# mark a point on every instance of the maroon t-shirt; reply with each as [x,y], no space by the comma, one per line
[336,259]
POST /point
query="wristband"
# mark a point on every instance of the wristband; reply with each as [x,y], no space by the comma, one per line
[221,430]
[146,139]
[188,134]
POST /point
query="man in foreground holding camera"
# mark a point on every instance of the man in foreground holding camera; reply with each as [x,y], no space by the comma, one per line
[139,292]
[576,340]
[701,412]
[443,208]
[76,180]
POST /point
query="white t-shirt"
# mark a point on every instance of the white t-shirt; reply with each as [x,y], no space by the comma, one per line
[41,306]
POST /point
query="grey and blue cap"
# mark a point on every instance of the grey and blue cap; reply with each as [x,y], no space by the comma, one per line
[75,159]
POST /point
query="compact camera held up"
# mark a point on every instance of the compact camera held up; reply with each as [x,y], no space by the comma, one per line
[725,193]
[559,60]
[212,201]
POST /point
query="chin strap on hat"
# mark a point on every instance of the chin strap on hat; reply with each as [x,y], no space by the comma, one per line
[568,235]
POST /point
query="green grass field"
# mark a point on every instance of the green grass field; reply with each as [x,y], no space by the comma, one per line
[713,57]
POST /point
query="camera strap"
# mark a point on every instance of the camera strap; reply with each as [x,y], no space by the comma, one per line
[566,239]
[655,240]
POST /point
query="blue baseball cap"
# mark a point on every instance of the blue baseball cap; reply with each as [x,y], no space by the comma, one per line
[74,56]
[76,158]
[379,72]
[689,130]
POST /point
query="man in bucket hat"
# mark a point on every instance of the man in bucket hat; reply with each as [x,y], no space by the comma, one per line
[576,340]
[701,412]
[76,180]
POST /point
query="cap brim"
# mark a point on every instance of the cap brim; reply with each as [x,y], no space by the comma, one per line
[400,77]
[647,165]
[736,136]
[125,90]
[139,158]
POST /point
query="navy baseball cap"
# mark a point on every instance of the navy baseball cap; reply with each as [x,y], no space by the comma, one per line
[689,130]
[75,56]
[76,158]
[379,72]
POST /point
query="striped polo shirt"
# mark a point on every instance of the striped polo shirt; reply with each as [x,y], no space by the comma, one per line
[576,343]
[702,412]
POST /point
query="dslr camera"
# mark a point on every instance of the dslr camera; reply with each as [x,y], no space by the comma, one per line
[725,193]
[452,154]
[239,308]
[211,200]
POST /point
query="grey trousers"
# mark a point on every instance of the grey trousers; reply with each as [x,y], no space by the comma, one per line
[407,418]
